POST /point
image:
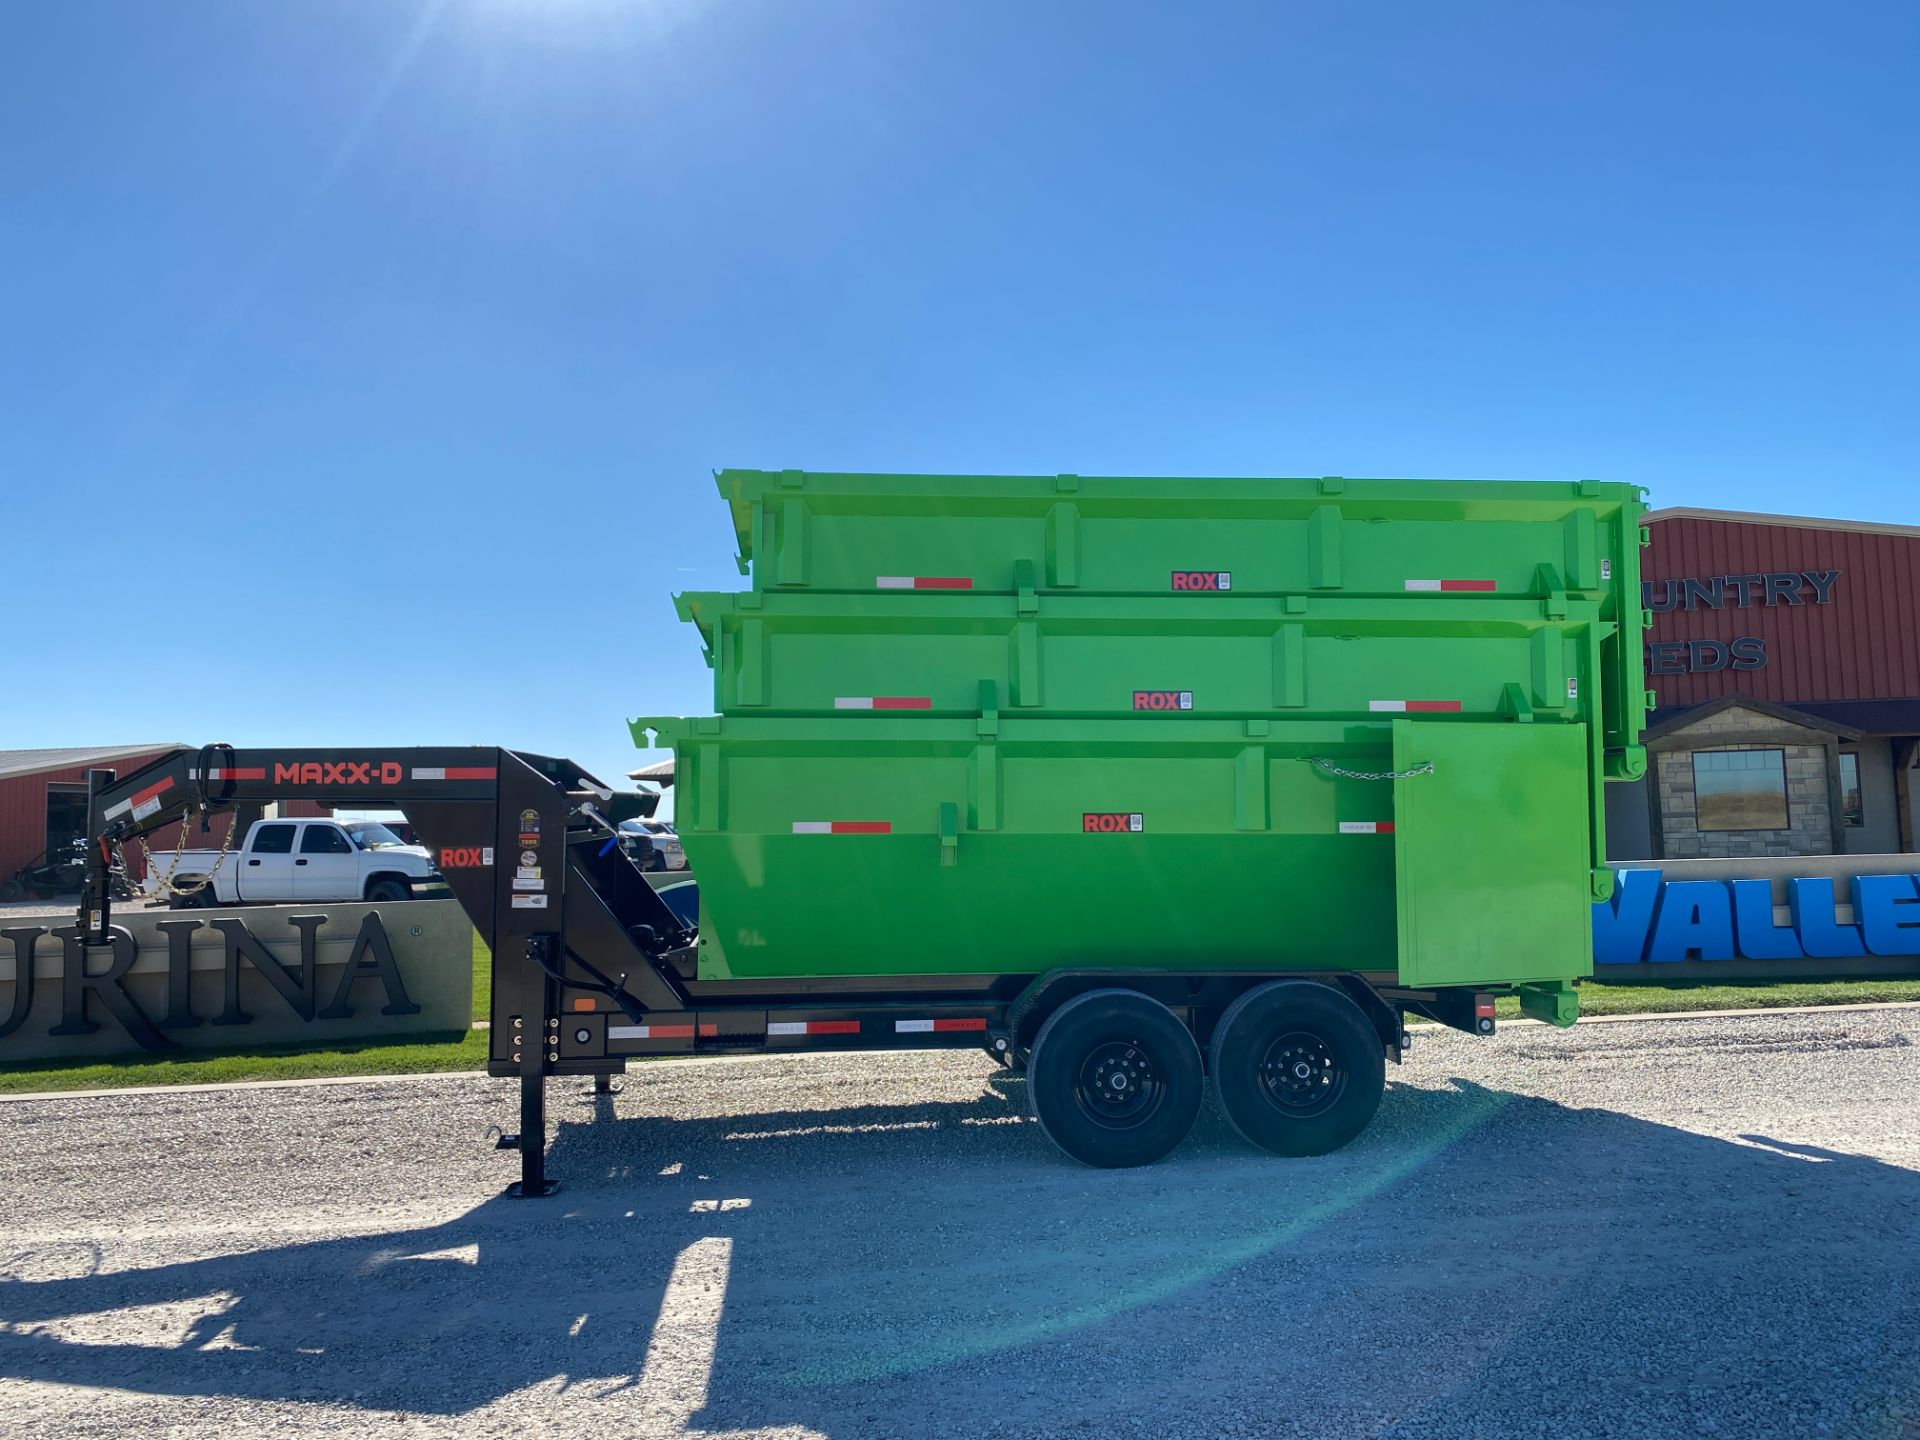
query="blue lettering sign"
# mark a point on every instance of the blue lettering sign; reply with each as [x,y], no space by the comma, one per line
[1888,909]
[1823,937]
[1695,923]
[1620,925]
[1651,920]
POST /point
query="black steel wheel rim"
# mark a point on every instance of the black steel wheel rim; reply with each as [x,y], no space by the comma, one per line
[1299,1074]
[1118,1087]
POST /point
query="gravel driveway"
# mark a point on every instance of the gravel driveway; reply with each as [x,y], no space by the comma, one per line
[1638,1229]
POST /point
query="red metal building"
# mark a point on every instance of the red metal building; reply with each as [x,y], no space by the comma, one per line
[1785,657]
[43,803]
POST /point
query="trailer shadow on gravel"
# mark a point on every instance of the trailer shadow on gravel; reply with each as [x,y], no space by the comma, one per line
[1476,1262]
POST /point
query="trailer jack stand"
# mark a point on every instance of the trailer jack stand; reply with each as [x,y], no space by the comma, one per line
[533,1183]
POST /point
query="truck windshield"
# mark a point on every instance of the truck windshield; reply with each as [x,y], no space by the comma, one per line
[372,835]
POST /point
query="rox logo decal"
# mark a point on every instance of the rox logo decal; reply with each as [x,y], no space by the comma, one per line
[465,857]
[347,772]
[1163,699]
[1203,580]
[1103,822]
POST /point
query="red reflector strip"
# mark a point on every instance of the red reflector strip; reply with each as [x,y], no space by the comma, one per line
[455,772]
[1483,1007]
[1451,585]
[1366,827]
[709,1029]
[650,1032]
[843,827]
[143,803]
[813,1027]
[158,787]
[932,1027]
[1415,707]
[243,773]
[882,702]
[922,582]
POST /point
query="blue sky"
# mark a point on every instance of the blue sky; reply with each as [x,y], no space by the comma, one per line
[365,364]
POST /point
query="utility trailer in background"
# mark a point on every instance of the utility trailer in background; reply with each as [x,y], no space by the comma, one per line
[1136,784]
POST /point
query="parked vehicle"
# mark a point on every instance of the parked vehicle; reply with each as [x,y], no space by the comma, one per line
[653,844]
[976,732]
[60,873]
[283,860]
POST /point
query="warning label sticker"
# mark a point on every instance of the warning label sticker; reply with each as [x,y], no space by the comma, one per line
[529,902]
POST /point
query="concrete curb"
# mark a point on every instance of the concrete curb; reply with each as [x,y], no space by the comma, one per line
[735,1059]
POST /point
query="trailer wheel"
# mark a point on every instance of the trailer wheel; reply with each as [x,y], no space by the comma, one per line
[1115,1078]
[1297,1067]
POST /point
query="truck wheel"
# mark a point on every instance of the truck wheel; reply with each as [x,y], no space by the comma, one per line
[1115,1078]
[388,891]
[1297,1067]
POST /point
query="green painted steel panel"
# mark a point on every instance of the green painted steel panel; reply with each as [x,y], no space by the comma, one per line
[799,654]
[970,725]
[1491,853]
[1028,885]
[1131,535]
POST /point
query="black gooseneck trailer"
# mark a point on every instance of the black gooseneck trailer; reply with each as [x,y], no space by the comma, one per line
[591,967]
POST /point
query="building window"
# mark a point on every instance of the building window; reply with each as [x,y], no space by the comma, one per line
[1740,789]
[1851,805]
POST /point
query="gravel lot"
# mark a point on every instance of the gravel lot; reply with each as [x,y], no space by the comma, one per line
[1649,1228]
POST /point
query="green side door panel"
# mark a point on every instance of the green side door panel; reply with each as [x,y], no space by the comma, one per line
[1491,852]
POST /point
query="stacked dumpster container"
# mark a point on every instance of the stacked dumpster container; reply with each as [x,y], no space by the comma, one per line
[1004,725]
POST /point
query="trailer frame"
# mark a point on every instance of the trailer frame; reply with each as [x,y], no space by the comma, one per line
[591,968]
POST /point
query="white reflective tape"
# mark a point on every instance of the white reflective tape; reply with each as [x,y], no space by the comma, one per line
[1393,705]
[1359,827]
[1423,584]
[893,582]
[913,1027]
[786,1027]
[813,827]
[853,702]
[629,1032]
[430,772]
[120,809]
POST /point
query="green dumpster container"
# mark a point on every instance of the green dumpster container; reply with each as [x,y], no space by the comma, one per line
[1355,726]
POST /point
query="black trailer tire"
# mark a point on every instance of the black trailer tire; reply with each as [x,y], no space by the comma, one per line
[12,890]
[1297,1067]
[386,892]
[1115,1079]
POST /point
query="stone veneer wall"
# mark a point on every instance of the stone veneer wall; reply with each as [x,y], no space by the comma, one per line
[1809,788]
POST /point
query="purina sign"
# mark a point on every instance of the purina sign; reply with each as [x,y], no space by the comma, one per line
[214,979]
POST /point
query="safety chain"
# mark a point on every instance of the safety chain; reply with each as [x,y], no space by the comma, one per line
[1425,767]
[164,883]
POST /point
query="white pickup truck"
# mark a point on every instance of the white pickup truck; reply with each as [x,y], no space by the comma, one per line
[299,860]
